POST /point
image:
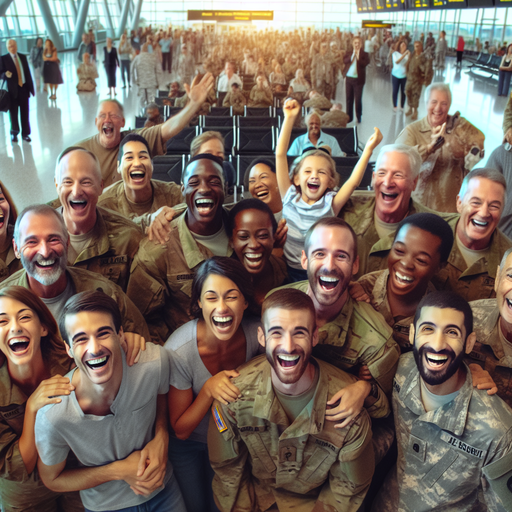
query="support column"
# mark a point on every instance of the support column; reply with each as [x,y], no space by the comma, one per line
[49,24]
[110,28]
[73,9]
[80,23]
[136,15]
[124,17]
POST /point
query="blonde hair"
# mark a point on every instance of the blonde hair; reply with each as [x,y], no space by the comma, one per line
[298,163]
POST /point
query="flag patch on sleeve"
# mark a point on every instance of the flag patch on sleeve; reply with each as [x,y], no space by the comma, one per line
[219,420]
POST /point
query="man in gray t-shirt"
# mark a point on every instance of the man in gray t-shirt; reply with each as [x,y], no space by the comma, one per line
[109,421]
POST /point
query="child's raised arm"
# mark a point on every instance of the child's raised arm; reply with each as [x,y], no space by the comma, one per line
[355,178]
[291,109]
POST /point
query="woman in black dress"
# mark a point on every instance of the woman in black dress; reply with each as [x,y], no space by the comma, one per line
[51,69]
[111,65]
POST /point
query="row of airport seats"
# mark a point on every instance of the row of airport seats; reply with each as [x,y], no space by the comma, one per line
[488,63]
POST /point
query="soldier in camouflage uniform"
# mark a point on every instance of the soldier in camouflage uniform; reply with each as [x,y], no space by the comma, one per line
[100,240]
[422,244]
[454,441]
[322,72]
[272,449]
[161,275]
[493,328]
[317,101]
[138,196]
[480,245]
[507,121]
[374,216]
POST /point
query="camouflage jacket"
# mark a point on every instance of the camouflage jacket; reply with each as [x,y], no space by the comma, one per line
[456,458]
[11,263]
[358,336]
[164,194]
[375,285]
[477,281]
[112,247]
[260,459]
[359,212]
[84,280]
[161,279]
[507,116]
[488,350]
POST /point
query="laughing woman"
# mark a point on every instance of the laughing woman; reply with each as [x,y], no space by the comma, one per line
[204,354]
[30,378]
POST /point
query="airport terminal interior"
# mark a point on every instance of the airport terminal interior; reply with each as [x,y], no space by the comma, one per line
[27,168]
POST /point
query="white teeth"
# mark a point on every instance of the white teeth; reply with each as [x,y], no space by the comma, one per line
[223,319]
[262,194]
[328,279]
[437,357]
[46,263]
[14,341]
[288,357]
[78,202]
[137,174]
[97,361]
[404,278]
[480,223]
[204,201]
[253,256]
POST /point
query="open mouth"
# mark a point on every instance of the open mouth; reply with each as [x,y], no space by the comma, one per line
[253,259]
[388,197]
[19,345]
[108,129]
[1,219]
[204,205]
[328,283]
[436,361]
[137,175]
[263,194]
[45,263]
[288,360]
[313,187]
[96,364]
[403,279]
[222,322]
[78,205]
[479,223]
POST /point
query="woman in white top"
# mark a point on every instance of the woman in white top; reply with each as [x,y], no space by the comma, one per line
[399,73]
[299,83]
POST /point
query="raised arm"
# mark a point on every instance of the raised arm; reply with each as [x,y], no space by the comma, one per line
[357,174]
[291,109]
[197,94]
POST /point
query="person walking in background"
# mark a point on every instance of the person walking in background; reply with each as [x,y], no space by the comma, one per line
[419,72]
[111,64]
[399,73]
[460,50]
[125,53]
[51,69]
[355,73]
[441,48]
[505,73]
[165,44]
[36,58]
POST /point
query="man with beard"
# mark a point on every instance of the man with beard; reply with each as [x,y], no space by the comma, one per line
[40,241]
[100,240]
[110,121]
[272,449]
[161,275]
[351,334]
[454,441]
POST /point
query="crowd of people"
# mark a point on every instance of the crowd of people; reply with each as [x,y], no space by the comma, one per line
[312,347]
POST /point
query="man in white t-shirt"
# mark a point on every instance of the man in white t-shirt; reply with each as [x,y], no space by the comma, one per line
[228,78]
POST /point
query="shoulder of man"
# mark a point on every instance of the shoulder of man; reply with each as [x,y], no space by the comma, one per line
[152,353]
[111,192]
[19,278]
[366,322]
[485,316]
[85,280]
[115,222]
[360,201]
[299,285]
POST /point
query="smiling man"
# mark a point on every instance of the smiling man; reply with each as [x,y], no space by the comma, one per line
[138,197]
[374,216]
[272,449]
[161,275]
[110,121]
[479,244]
[100,240]
[454,441]
[115,420]
[493,328]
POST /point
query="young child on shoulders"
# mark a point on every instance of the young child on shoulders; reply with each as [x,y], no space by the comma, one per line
[307,190]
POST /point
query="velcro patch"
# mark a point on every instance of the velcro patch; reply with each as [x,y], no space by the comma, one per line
[114,260]
[219,420]
[456,443]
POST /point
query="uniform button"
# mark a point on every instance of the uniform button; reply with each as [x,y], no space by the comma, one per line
[416,447]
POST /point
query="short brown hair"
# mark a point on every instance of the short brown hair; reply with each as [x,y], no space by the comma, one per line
[328,222]
[198,141]
[289,299]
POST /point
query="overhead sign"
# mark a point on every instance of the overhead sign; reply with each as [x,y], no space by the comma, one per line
[376,24]
[230,15]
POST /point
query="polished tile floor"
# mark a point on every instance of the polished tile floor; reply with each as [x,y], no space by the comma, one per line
[27,168]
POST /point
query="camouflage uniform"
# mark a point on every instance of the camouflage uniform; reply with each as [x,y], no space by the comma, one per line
[164,194]
[289,70]
[161,279]
[359,212]
[322,75]
[476,282]
[84,280]
[20,491]
[11,263]
[375,285]
[334,119]
[488,350]
[303,466]
[112,247]
[358,336]
[507,116]
[452,458]
[318,102]
[419,73]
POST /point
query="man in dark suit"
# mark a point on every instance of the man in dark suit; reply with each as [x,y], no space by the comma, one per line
[355,73]
[14,68]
